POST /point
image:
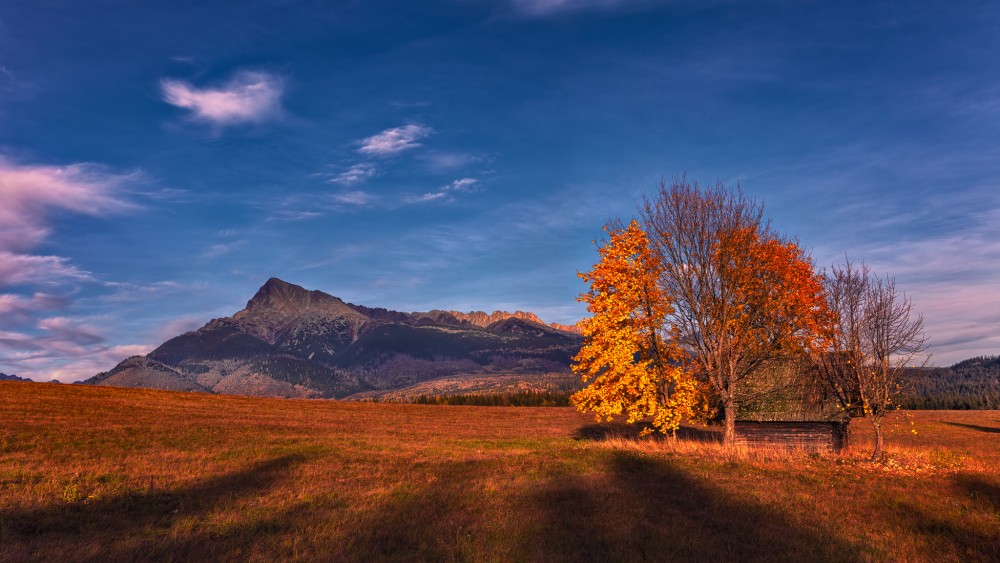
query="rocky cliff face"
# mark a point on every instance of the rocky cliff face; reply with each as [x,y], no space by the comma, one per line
[292,342]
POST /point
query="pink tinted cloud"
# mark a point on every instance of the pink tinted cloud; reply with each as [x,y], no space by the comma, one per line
[249,97]
[17,309]
[61,348]
[20,269]
[29,192]
[68,367]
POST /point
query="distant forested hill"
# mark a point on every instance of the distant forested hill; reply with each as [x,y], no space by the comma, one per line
[969,384]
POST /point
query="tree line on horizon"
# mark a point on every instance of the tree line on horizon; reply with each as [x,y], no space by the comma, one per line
[700,292]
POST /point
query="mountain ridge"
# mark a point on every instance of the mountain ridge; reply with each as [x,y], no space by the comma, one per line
[292,342]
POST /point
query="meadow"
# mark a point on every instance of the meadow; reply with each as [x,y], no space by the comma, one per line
[99,473]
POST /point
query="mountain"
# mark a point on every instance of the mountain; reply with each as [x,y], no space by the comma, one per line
[5,377]
[292,342]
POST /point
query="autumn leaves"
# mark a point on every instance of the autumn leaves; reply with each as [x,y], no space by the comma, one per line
[688,301]
[634,368]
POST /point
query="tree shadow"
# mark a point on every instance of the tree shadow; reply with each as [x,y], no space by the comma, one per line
[636,509]
[649,510]
[967,543]
[135,526]
[438,519]
[609,430]
[977,488]
[987,429]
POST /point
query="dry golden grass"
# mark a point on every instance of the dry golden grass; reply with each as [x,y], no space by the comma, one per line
[92,473]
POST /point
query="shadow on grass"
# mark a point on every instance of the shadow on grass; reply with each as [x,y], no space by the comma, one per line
[438,519]
[943,531]
[987,429]
[634,509]
[979,489]
[603,431]
[649,510]
[137,526]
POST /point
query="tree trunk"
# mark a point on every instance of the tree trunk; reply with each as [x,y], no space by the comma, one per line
[879,441]
[729,435]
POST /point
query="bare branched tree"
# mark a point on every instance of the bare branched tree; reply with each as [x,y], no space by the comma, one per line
[878,335]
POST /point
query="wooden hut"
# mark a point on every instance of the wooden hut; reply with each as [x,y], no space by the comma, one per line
[784,406]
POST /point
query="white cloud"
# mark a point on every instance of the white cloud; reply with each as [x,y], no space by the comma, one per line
[353,198]
[355,174]
[426,197]
[462,184]
[395,140]
[248,97]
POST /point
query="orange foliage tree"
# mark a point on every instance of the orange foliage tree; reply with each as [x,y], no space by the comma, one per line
[740,295]
[624,352]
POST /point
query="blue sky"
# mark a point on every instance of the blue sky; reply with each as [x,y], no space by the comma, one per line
[160,160]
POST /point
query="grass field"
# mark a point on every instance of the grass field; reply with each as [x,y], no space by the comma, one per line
[92,473]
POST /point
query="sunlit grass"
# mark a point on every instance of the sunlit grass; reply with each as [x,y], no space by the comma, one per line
[97,473]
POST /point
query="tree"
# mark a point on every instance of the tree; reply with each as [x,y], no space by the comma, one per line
[624,352]
[740,295]
[877,337]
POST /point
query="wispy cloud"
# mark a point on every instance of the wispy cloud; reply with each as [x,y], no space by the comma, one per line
[30,195]
[356,197]
[395,140]
[63,348]
[431,196]
[445,193]
[17,309]
[248,97]
[944,253]
[356,174]
[539,8]
[65,329]
[222,248]
[445,161]
[462,184]
[21,269]
[304,206]
[31,192]
[129,291]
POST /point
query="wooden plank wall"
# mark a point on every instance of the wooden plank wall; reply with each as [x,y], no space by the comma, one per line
[819,436]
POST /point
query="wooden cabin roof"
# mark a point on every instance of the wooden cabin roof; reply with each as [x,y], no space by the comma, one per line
[783,391]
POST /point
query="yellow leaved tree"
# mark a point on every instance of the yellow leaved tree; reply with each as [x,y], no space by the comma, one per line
[624,355]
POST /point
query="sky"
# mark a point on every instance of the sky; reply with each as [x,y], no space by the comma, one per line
[159,161]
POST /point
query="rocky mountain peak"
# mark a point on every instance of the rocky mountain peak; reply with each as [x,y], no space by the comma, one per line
[278,303]
[483,319]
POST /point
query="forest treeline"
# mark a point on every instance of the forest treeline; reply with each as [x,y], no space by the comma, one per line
[509,399]
[969,384]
